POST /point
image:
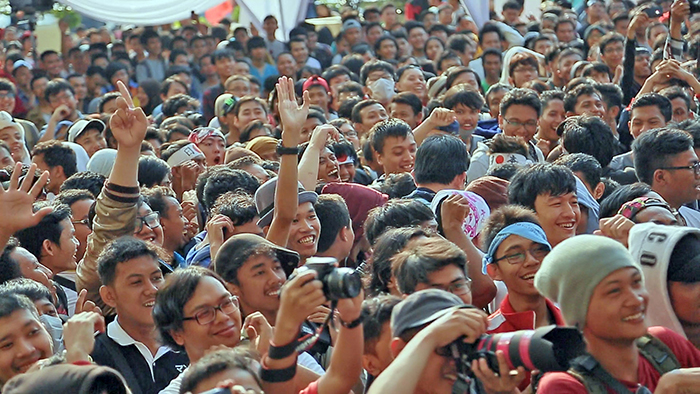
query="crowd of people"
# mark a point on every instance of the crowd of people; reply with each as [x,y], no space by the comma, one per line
[209,208]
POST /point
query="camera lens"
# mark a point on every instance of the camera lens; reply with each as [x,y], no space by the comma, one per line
[342,283]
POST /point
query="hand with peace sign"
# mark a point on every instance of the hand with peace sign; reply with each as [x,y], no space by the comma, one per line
[128,124]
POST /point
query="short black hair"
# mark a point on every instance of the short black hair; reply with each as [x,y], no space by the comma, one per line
[222,54]
[458,42]
[152,171]
[219,361]
[147,35]
[119,251]
[49,228]
[520,96]
[468,97]
[55,153]
[550,95]
[610,38]
[590,135]
[574,94]
[226,179]
[70,197]
[85,180]
[540,179]
[674,92]
[654,148]
[255,42]
[391,242]
[613,202]
[456,71]
[377,312]
[356,116]
[56,86]
[168,311]
[9,268]
[611,94]
[446,55]
[106,98]
[585,164]
[6,84]
[378,43]
[419,259]
[237,206]
[174,103]
[491,28]
[11,302]
[409,99]
[33,290]
[388,128]
[375,65]
[396,213]
[333,215]
[657,100]
[433,151]
[156,198]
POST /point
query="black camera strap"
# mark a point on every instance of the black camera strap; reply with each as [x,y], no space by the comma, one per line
[307,342]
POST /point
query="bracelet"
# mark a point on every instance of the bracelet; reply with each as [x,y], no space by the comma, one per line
[283,150]
[278,375]
[353,323]
[281,352]
[122,189]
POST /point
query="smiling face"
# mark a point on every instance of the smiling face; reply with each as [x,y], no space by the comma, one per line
[79,211]
[526,118]
[23,342]
[645,118]
[63,254]
[590,104]
[30,266]
[133,292]
[303,234]
[617,308]
[552,115]
[447,277]
[328,166]
[260,279]
[558,216]
[92,141]
[224,330]
[13,138]
[518,278]
[153,235]
[398,154]
[412,80]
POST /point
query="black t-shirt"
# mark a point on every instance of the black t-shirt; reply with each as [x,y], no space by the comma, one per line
[138,376]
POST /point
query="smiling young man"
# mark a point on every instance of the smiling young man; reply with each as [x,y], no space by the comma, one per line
[584,99]
[550,191]
[553,113]
[366,114]
[515,245]
[519,117]
[394,145]
[665,159]
[601,291]
[131,276]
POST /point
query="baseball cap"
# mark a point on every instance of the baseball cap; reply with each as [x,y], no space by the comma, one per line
[241,246]
[219,104]
[228,106]
[421,308]
[265,200]
[84,124]
[6,121]
[21,63]
[315,80]
[351,24]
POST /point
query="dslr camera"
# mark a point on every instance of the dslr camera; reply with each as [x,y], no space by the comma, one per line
[338,283]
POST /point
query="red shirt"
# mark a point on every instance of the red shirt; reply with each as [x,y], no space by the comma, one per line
[685,352]
[506,319]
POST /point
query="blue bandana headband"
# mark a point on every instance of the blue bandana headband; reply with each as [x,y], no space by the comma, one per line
[528,230]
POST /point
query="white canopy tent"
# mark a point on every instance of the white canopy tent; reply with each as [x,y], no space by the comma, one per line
[158,12]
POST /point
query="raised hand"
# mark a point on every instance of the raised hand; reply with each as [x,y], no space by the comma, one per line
[292,114]
[79,335]
[453,211]
[128,124]
[17,200]
[441,117]
[617,227]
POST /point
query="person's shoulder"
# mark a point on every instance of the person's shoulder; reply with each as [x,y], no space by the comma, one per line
[560,382]
[687,354]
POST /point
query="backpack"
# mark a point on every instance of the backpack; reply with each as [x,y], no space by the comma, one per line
[596,380]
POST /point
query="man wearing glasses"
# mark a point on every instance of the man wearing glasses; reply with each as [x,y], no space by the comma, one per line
[665,159]
[519,117]
[515,245]
[432,263]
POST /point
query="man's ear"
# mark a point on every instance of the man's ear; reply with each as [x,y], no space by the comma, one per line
[48,248]
[359,128]
[599,190]
[266,229]
[494,272]
[108,296]
[233,289]
[366,91]
[345,234]
[614,111]
[56,172]
[419,117]
[511,81]
[659,177]
[396,346]
[500,121]
[178,337]
[371,364]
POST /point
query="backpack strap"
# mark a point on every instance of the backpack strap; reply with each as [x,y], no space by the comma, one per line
[121,363]
[594,377]
[658,354]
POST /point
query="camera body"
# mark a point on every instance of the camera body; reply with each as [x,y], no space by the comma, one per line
[338,283]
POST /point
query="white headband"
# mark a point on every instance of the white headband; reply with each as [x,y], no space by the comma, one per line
[508,158]
[188,152]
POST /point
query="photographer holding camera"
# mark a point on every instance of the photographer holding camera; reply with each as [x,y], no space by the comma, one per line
[423,326]
[300,297]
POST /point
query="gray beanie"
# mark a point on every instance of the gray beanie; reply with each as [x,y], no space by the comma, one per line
[573,269]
